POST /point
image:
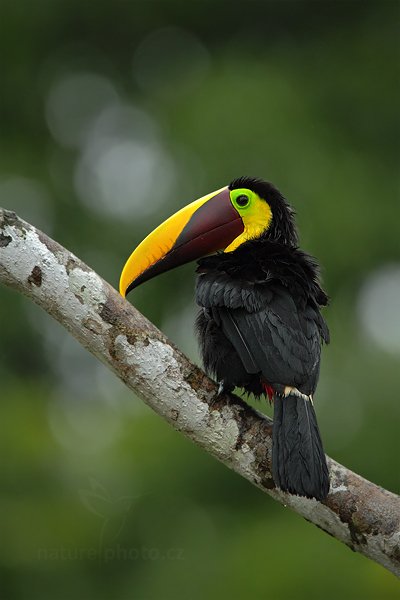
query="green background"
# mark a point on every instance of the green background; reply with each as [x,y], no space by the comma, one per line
[114,114]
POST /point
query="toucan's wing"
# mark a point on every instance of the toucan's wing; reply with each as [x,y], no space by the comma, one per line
[271,334]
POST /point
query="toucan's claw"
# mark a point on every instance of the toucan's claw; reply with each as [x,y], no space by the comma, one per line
[224,388]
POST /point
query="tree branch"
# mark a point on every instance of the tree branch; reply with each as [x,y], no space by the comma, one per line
[356,512]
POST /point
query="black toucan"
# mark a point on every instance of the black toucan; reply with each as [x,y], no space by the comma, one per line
[259,326]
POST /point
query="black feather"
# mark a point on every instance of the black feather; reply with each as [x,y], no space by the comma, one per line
[298,459]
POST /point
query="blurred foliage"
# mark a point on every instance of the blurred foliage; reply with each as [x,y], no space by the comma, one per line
[98,497]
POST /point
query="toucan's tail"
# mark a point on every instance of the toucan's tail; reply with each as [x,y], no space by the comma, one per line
[298,458]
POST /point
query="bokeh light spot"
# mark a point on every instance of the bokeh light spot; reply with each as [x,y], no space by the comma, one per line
[72,104]
[379,307]
[123,171]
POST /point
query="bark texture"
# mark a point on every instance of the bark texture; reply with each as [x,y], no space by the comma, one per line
[357,512]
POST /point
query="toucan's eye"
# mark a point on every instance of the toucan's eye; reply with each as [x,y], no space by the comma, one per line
[242,200]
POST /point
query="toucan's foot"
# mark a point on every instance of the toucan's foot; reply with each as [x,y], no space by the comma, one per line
[224,388]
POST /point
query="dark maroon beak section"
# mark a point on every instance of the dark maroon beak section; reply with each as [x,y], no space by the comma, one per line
[212,227]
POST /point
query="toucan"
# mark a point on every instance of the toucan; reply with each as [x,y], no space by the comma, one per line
[259,327]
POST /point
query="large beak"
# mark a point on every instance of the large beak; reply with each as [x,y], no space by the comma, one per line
[203,227]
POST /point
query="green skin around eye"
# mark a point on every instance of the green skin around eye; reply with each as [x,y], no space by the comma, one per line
[235,194]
